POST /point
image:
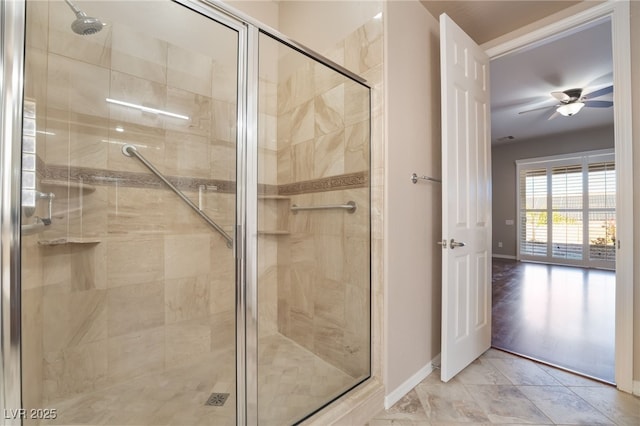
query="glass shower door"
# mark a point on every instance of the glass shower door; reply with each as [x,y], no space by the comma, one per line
[314,293]
[128,213]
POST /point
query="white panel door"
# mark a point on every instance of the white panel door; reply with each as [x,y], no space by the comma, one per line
[466,200]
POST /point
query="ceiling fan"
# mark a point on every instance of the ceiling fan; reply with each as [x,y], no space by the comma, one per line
[572,101]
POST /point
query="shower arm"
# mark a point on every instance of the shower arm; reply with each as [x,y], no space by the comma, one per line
[75,9]
[131,151]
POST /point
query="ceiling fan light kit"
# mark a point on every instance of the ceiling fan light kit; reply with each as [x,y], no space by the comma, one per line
[573,100]
[570,109]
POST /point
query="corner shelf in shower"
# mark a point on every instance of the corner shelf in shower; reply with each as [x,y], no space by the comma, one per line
[68,240]
[51,183]
[269,231]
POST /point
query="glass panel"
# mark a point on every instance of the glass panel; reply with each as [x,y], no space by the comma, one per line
[602,186]
[602,236]
[566,187]
[567,235]
[313,265]
[567,227]
[533,216]
[534,238]
[128,295]
[533,187]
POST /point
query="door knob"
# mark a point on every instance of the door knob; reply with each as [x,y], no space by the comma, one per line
[453,244]
[443,243]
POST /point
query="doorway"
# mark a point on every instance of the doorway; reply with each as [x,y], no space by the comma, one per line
[589,20]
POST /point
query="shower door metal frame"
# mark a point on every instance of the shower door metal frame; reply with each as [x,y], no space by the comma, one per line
[12,41]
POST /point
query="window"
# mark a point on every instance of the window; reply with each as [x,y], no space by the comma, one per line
[567,209]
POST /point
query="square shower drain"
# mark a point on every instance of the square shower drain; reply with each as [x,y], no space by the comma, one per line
[217,399]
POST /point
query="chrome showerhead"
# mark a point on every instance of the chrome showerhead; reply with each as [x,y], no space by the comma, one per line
[84,25]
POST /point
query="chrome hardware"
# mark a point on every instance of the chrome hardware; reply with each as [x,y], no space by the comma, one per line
[131,151]
[351,206]
[36,227]
[453,244]
[415,177]
[50,196]
[442,243]
[38,223]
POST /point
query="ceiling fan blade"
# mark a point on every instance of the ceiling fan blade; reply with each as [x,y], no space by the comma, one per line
[561,96]
[554,115]
[537,109]
[599,92]
[598,104]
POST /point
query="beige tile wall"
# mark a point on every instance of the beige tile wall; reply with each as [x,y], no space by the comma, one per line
[324,271]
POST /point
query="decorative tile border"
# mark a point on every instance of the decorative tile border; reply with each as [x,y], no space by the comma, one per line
[101,177]
[332,183]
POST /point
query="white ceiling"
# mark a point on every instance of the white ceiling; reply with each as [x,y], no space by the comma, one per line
[524,80]
[487,19]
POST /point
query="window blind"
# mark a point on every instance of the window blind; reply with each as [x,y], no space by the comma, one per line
[602,213]
[567,199]
[533,217]
[567,209]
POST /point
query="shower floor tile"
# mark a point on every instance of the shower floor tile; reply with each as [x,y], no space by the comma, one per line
[292,381]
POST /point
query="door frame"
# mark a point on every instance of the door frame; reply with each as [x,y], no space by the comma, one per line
[619,14]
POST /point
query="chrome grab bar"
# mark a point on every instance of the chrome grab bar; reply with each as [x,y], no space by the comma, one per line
[351,206]
[33,228]
[130,150]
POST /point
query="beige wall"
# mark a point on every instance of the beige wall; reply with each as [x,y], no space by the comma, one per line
[412,212]
[320,25]
[503,175]
[266,11]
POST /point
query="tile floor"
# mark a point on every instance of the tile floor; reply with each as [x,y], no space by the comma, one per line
[500,388]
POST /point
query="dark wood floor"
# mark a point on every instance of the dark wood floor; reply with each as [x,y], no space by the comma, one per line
[561,315]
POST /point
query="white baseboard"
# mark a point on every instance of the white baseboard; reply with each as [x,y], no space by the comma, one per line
[503,256]
[636,388]
[410,383]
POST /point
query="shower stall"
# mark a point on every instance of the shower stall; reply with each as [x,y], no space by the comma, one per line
[185,218]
